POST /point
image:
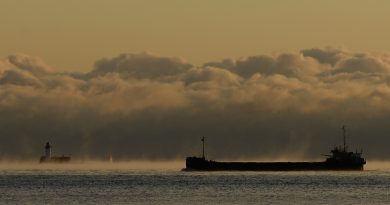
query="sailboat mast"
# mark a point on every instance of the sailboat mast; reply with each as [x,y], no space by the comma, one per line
[345,138]
[203,147]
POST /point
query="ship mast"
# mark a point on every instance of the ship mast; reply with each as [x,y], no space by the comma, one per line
[203,147]
[345,138]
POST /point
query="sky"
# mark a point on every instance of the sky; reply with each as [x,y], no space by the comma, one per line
[146,79]
[71,35]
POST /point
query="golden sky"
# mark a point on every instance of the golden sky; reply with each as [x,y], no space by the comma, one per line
[71,35]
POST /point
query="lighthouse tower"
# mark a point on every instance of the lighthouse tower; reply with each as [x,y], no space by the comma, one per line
[48,151]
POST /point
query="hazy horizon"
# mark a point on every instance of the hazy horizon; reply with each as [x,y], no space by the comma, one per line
[142,165]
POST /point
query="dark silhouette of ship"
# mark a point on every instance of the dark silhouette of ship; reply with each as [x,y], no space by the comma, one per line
[339,159]
[47,158]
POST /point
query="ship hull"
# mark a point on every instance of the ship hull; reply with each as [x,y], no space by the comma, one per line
[199,164]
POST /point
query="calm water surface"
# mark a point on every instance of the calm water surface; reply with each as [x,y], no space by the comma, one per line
[37,186]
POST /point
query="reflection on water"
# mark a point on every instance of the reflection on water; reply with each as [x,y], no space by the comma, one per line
[123,185]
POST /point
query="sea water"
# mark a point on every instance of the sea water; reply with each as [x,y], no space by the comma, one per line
[62,185]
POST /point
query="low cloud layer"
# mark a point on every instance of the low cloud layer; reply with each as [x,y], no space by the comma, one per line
[144,106]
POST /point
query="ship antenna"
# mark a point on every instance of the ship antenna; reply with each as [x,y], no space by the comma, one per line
[345,138]
[203,146]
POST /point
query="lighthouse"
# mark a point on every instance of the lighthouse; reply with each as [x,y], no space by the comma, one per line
[48,157]
[48,151]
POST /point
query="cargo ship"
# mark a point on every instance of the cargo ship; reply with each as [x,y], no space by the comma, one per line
[339,159]
[47,158]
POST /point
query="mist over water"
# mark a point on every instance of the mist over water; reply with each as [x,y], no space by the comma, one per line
[145,165]
[93,165]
